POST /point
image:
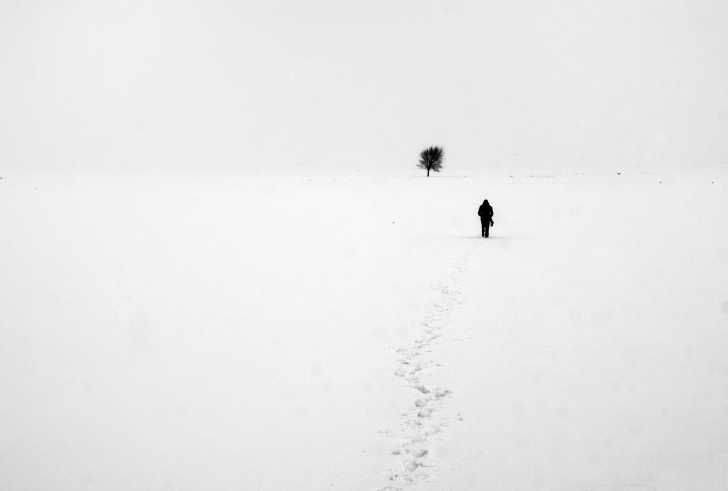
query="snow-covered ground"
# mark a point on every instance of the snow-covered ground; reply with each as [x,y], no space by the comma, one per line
[353,331]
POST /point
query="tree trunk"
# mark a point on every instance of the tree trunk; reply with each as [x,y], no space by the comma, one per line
[428,172]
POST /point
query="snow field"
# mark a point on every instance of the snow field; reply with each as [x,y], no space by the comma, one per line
[196,331]
[354,332]
[590,348]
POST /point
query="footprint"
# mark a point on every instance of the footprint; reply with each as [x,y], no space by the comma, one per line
[412,440]
[430,430]
[418,453]
[432,325]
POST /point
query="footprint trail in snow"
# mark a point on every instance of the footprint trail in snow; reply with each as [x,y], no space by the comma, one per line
[429,413]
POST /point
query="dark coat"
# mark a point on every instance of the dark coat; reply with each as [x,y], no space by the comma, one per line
[485,212]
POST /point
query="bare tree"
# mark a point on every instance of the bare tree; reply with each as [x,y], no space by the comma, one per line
[431,159]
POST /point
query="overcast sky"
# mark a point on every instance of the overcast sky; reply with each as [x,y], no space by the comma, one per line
[236,84]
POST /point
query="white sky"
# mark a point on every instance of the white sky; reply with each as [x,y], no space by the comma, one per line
[192,84]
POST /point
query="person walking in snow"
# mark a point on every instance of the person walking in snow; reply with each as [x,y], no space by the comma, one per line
[485,212]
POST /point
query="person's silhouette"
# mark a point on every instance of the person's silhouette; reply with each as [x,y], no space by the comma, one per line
[485,212]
